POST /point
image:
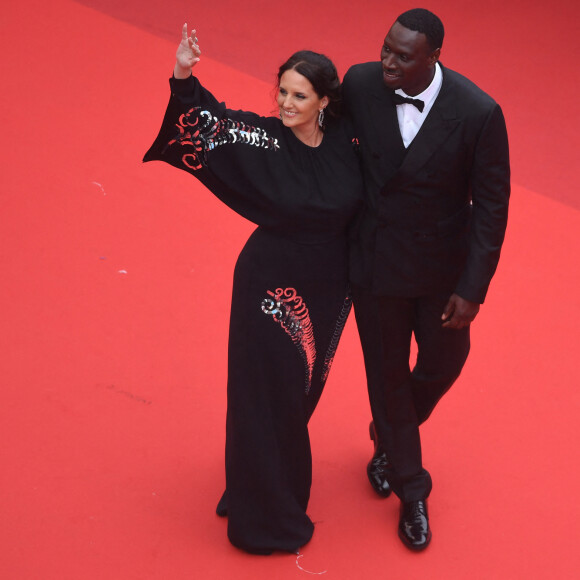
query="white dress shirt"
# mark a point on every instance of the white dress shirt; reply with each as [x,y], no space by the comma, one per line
[410,118]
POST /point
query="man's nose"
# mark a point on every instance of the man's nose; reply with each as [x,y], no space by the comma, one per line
[388,60]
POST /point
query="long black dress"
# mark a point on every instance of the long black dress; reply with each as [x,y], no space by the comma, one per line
[290,296]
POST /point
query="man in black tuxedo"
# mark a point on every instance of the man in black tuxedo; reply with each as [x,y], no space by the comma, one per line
[434,153]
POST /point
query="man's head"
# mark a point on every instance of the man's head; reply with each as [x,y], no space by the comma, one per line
[411,49]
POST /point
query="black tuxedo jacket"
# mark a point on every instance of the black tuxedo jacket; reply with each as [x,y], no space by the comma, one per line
[435,214]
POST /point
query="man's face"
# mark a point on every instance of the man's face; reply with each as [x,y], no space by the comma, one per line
[408,61]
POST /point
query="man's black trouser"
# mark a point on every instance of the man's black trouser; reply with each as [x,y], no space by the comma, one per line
[401,399]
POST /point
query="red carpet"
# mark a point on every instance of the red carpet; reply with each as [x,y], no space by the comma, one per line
[115,294]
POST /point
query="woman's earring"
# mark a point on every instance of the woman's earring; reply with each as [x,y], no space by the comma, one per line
[321,118]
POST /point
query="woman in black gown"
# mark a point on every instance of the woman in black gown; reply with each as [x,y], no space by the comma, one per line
[301,186]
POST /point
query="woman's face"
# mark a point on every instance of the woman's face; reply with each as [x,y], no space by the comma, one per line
[298,102]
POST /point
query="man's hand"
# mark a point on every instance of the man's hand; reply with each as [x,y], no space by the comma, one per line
[459,312]
[187,55]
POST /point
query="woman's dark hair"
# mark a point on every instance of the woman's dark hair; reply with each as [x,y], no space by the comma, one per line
[321,73]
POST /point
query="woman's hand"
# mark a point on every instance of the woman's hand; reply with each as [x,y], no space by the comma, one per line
[187,55]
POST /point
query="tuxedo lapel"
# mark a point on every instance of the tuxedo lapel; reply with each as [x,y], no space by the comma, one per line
[386,137]
[386,124]
[440,123]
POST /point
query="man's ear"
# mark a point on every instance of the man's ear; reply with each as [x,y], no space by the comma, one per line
[435,55]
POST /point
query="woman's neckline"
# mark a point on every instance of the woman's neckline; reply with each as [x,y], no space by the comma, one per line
[304,144]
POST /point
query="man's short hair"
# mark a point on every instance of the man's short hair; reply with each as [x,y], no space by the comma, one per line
[425,22]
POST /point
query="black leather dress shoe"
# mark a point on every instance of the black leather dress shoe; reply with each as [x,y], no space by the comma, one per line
[376,468]
[414,528]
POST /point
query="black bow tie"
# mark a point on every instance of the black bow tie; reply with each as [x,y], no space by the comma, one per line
[400,100]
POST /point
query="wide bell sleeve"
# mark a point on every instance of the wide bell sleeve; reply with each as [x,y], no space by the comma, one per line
[197,129]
